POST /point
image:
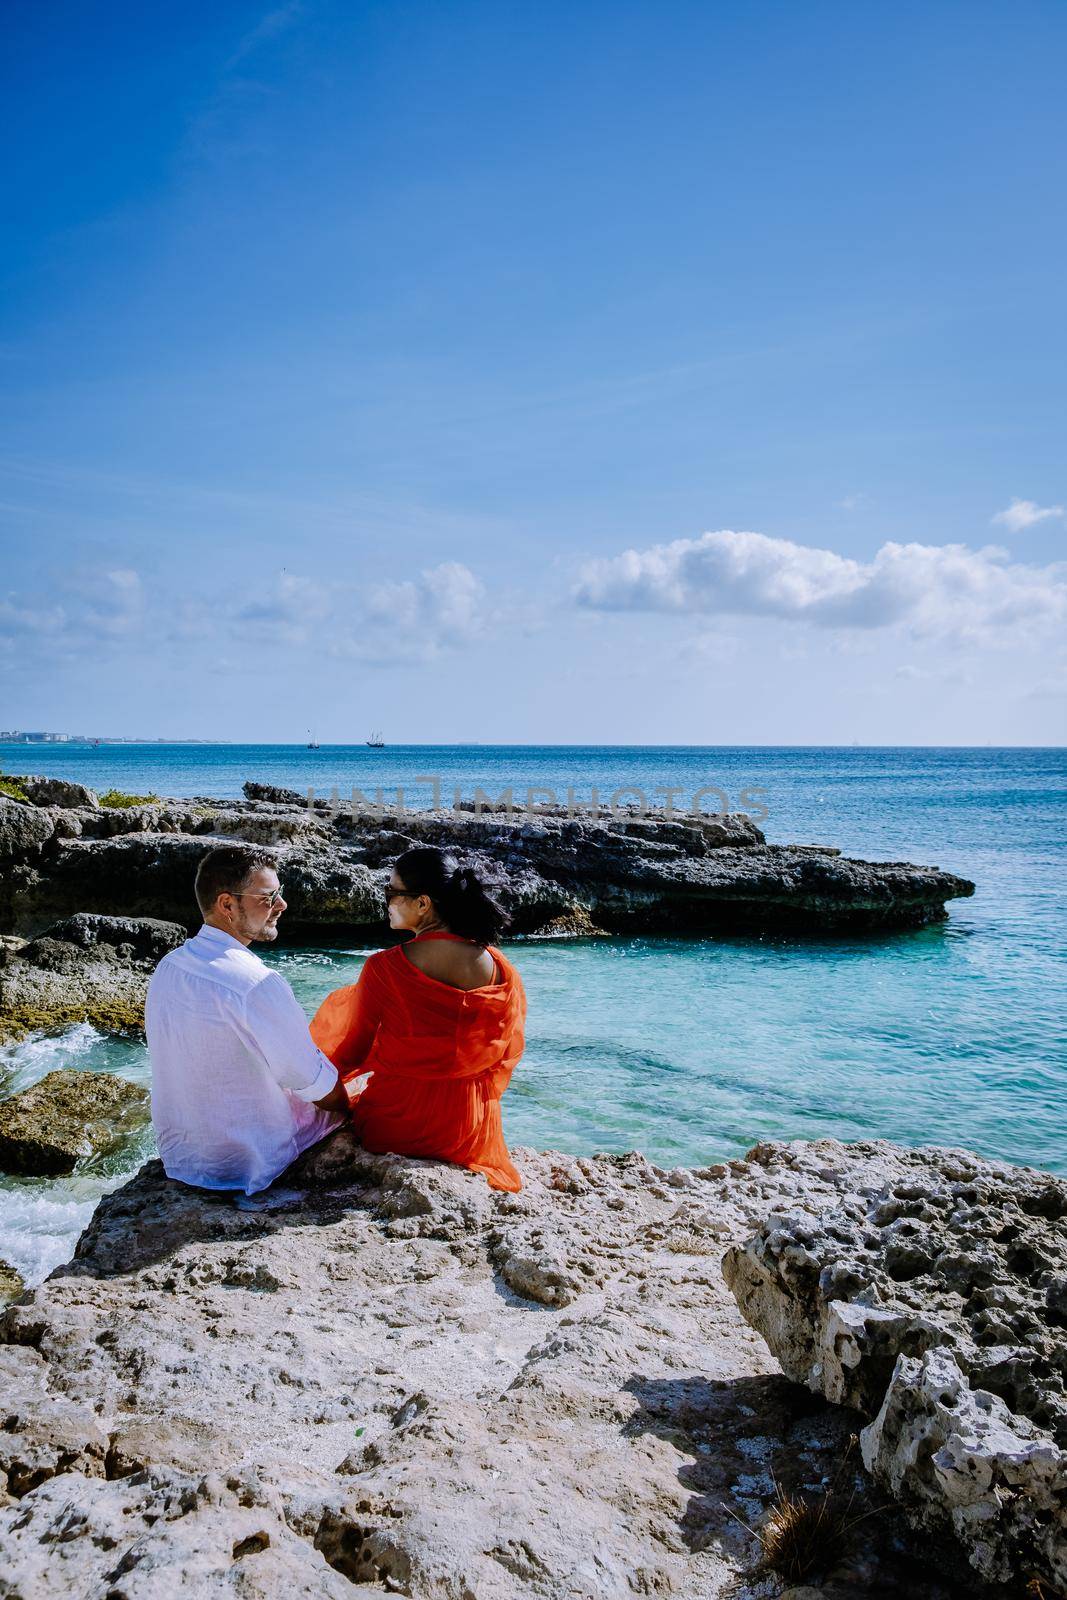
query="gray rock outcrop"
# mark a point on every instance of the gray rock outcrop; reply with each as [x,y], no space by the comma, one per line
[87,968]
[24,832]
[66,1118]
[57,792]
[656,873]
[383,1374]
[927,1289]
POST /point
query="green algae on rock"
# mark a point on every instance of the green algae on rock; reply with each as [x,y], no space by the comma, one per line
[107,1016]
[68,1117]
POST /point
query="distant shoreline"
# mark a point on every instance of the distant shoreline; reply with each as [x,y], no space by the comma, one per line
[474,744]
[99,744]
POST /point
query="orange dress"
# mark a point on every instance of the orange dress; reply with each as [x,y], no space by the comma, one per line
[439,1057]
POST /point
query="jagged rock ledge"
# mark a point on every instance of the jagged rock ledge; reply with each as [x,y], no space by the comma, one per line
[928,1290]
[654,874]
[387,1376]
[68,1118]
[87,968]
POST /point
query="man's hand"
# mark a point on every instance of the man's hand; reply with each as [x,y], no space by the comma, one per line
[336,1100]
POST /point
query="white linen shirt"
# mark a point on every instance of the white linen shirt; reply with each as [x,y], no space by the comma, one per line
[234,1067]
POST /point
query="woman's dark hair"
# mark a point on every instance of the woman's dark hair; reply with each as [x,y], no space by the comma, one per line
[461,898]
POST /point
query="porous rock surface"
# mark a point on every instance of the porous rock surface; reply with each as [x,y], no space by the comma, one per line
[57,792]
[11,1282]
[87,968]
[928,1290]
[624,872]
[66,1118]
[382,1376]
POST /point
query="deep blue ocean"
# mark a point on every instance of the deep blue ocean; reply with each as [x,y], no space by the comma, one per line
[693,1049]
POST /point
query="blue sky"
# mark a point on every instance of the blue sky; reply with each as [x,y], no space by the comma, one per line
[651,372]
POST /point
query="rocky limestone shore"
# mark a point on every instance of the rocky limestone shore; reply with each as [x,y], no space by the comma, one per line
[928,1290]
[382,1375]
[656,873]
[87,968]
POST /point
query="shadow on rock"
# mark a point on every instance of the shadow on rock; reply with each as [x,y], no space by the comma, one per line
[755,1441]
[152,1217]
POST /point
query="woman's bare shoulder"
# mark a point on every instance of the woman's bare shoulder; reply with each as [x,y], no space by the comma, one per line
[466,966]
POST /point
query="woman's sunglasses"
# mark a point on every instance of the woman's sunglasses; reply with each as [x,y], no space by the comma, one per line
[404,894]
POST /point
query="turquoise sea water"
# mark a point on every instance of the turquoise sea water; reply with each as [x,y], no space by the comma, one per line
[693,1049]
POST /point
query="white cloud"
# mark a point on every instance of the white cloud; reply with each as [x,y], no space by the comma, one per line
[90,609]
[931,590]
[108,605]
[441,608]
[19,620]
[288,611]
[1024,513]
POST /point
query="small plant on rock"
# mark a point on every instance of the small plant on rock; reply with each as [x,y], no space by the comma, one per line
[807,1536]
[801,1537]
[13,789]
[119,801]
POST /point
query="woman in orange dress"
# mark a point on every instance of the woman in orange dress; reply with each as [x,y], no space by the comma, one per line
[437,1022]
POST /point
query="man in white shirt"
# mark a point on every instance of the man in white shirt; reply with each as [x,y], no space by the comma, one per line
[239,1089]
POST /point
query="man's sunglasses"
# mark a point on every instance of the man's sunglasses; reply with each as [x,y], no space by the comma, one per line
[271,896]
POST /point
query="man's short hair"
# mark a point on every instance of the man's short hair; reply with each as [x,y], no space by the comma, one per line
[226,870]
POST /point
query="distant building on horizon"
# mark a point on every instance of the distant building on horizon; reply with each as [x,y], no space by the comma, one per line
[22,736]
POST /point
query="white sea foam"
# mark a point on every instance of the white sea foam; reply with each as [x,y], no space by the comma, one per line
[40,1220]
[26,1060]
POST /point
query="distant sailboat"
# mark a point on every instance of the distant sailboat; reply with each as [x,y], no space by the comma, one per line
[376,742]
[313,743]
